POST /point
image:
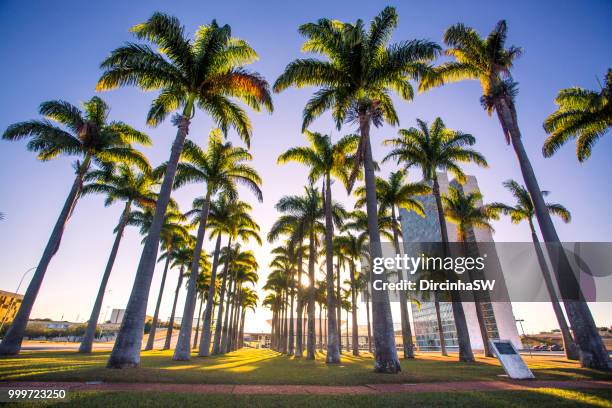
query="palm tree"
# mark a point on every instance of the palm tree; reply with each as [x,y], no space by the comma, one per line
[356,79]
[582,114]
[292,226]
[467,212]
[241,263]
[325,160]
[309,209]
[244,275]
[173,234]
[523,211]
[355,249]
[432,148]
[489,61]
[237,228]
[249,302]
[88,135]
[392,193]
[181,258]
[203,284]
[206,72]
[126,185]
[283,264]
[221,167]
[225,213]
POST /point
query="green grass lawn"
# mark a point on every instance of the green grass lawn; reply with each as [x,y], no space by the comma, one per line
[542,398]
[250,366]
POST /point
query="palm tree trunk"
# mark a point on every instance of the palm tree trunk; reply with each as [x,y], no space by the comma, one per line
[310,343]
[291,350]
[241,334]
[347,329]
[183,345]
[593,353]
[217,340]
[463,335]
[90,332]
[154,323]
[440,326]
[320,327]
[236,343]
[11,343]
[386,360]
[207,320]
[369,324]
[234,325]
[333,350]
[338,309]
[355,335]
[407,345]
[171,322]
[126,351]
[299,335]
[197,330]
[228,314]
[273,330]
[571,350]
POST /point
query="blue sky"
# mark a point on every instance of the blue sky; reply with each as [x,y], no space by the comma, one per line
[52,50]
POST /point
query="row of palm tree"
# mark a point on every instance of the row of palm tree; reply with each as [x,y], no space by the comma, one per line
[355,78]
[354,81]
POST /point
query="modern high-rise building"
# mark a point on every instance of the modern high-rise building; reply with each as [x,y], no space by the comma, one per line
[499,318]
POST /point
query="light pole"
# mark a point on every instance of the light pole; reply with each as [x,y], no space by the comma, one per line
[8,310]
[520,322]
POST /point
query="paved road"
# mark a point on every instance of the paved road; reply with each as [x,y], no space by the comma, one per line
[160,339]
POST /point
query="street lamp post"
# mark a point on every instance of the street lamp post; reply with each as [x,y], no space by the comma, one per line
[8,310]
[520,322]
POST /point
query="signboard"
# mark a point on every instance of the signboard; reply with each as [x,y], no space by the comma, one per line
[510,359]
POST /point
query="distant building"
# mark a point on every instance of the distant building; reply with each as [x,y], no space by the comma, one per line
[499,317]
[9,305]
[117,316]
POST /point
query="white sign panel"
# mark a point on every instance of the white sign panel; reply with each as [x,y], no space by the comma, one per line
[510,359]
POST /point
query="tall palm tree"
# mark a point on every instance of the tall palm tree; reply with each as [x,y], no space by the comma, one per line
[523,210]
[244,275]
[392,193]
[135,189]
[582,114]
[88,135]
[354,248]
[309,210]
[326,160]
[173,234]
[206,73]
[467,212]
[225,213]
[489,61]
[283,263]
[249,302]
[237,228]
[241,263]
[181,258]
[356,79]
[292,227]
[432,148]
[221,167]
[203,284]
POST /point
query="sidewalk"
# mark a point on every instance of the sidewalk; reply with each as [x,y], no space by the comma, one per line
[497,385]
